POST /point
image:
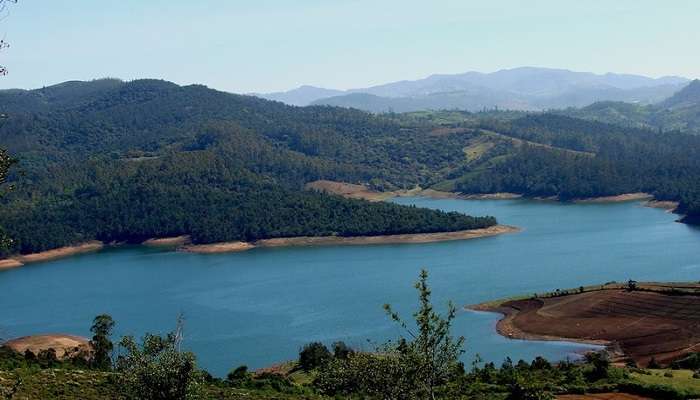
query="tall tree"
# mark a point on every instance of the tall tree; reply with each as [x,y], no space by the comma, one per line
[433,350]
[101,343]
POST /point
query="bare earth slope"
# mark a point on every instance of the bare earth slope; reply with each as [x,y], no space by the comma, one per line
[640,324]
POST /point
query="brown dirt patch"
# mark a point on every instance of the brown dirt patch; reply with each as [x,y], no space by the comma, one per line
[601,396]
[348,190]
[641,324]
[58,342]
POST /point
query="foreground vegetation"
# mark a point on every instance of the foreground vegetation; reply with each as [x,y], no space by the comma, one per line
[421,364]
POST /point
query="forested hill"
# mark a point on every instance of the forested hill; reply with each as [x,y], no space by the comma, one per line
[679,112]
[573,158]
[120,161]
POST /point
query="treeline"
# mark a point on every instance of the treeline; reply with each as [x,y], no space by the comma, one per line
[199,194]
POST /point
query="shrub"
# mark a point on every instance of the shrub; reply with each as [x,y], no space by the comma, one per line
[526,391]
[385,376]
[238,376]
[540,363]
[691,361]
[157,369]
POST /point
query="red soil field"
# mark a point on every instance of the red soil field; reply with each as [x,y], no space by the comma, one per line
[633,324]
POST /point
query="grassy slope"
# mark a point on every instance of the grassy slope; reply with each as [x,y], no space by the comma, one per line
[682,379]
[62,384]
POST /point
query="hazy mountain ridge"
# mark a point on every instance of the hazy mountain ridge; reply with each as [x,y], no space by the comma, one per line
[301,96]
[525,88]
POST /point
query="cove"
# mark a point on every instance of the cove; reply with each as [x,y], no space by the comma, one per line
[258,307]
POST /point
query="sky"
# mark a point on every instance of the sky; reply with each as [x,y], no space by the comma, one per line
[269,45]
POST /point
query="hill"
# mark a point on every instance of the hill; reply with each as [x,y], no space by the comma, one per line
[679,112]
[134,160]
[301,96]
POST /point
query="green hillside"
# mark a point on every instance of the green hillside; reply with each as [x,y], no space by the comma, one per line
[128,161]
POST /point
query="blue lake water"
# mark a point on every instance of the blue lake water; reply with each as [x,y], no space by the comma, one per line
[260,306]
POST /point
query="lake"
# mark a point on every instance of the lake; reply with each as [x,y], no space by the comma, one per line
[259,307]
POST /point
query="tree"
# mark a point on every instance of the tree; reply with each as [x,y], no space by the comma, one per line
[157,369]
[313,355]
[5,163]
[342,350]
[5,160]
[433,349]
[3,43]
[600,361]
[101,343]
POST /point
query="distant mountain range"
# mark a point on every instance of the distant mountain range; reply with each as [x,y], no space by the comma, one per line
[525,88]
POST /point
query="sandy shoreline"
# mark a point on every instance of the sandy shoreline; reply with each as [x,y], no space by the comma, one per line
[662,204]
[505,327]
[356,240]
[183,243]
[10,263]
[168,241]
[223,247]
[18,261]
[639,196]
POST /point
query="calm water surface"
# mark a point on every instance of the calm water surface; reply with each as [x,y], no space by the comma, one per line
[259,307]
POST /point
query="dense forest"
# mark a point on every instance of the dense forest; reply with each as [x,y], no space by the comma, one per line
[575,159]
[126,161]
[121,161]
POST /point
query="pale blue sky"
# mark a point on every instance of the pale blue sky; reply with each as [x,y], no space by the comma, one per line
[267,45]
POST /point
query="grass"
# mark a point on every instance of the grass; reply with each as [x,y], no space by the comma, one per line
[681,380]
[474,151]
[70,384]
[58,384]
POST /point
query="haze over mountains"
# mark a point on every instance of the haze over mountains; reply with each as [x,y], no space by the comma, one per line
[526,88]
